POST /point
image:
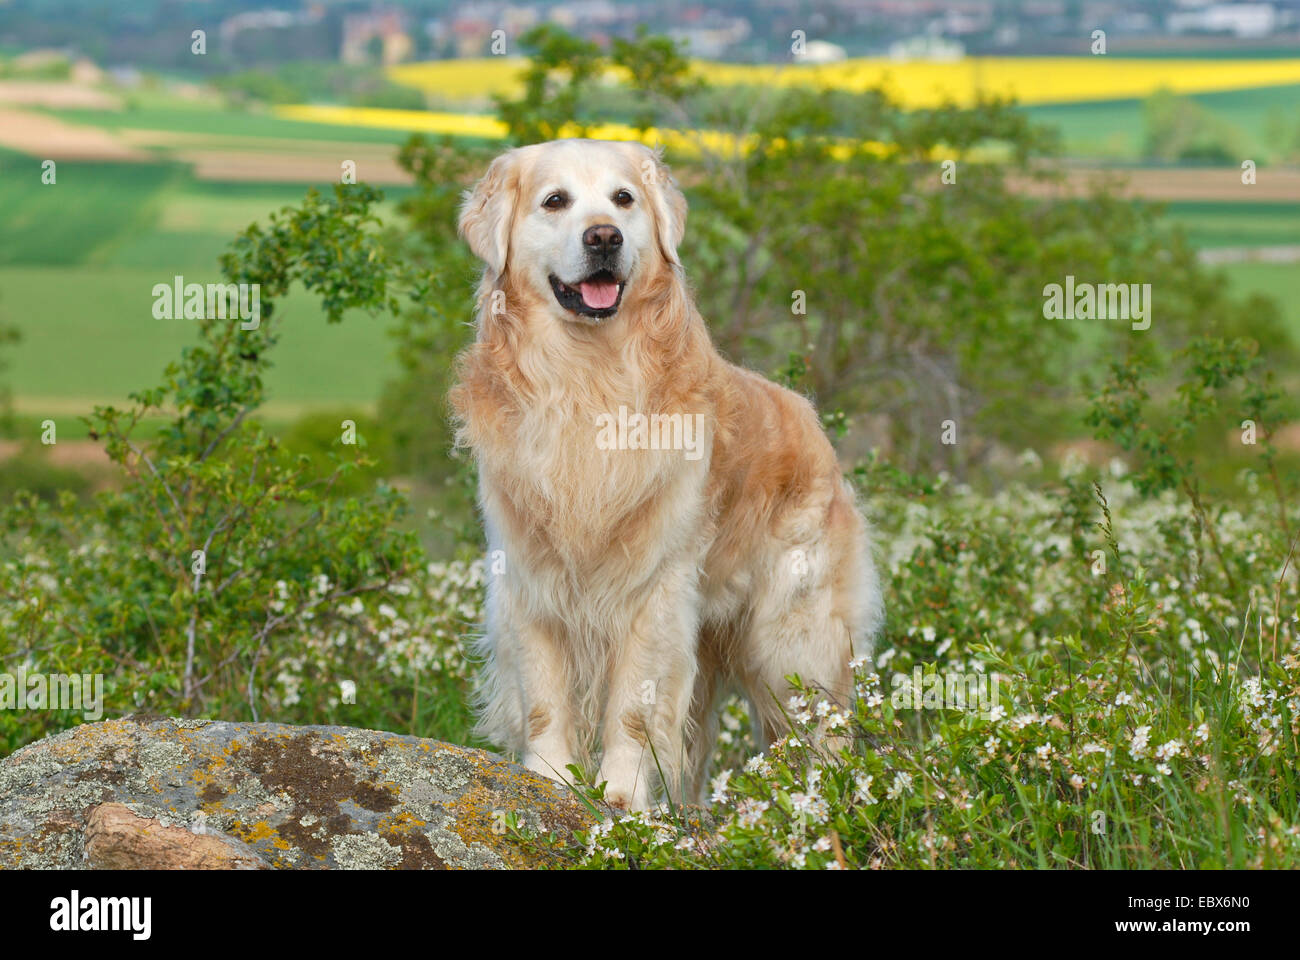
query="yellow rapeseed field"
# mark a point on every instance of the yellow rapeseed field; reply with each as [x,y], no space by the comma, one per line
[417,121]
[914,84]
[489,128]
[1030,80]
[462,79]
[919,83]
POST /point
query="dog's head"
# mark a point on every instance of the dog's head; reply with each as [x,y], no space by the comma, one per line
[579,222]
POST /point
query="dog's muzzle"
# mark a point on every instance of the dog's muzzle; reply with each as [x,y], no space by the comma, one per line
[595,297]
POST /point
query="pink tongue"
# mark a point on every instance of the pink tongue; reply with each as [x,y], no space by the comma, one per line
[599,296]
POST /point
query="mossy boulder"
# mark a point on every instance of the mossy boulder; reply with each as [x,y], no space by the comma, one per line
[157,792]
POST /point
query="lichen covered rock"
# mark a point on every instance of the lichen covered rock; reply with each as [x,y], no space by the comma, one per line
[156,792]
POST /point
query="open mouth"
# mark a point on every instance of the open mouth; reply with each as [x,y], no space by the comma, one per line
[596,297]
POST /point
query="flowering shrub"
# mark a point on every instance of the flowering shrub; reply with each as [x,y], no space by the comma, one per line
[224,576]
[393,658]
[1142,718]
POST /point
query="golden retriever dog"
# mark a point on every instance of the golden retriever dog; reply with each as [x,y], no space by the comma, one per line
[662,526]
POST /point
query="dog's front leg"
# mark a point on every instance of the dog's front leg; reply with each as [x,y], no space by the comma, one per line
[548,724]
[650,686]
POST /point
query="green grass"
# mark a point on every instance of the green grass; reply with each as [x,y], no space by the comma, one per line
[89,207]
[195,222]
[78,262]
[1238,224]
[129,214]
[1281,281]
[1113,129]
[89,336]
[214,121]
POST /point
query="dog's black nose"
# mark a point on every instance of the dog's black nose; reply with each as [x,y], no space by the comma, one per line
[602,238]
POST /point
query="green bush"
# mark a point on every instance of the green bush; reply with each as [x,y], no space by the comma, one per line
[30,469]
[323,436]
[220,556]
[1142,643]
[301,81]
[1147,715]
[1179,128]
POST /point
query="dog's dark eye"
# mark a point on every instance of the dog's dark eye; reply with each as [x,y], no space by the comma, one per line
[556,201]
[623,198]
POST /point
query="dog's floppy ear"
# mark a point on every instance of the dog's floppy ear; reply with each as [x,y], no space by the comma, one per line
[486,212]
[668,203]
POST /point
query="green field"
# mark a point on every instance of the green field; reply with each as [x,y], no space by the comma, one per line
[1113,129]
[78,263]
[1277,280]
[89,336]
[1103,129]
[130,214]
[78,259]
[1238,224]
[196,117]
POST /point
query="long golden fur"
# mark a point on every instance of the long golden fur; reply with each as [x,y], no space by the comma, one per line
[635,586]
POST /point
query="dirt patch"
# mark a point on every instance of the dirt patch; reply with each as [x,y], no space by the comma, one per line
[1220,184]
[1277,254]
[50,138]
[272,159]
[68,453]
[1286,438]
[56,96]
[325,166]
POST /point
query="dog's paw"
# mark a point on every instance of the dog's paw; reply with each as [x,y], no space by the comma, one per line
[618,800]
[626,799]
[556,771]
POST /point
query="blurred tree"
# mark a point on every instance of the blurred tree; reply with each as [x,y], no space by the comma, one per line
[1180,128]
[1282,135]
[560,70]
